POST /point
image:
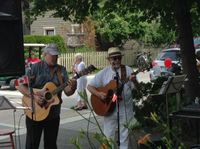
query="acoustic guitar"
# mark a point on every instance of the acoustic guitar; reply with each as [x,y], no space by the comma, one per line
[107,106]
[49,92]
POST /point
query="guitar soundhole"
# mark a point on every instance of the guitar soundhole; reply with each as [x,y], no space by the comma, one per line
[47,95]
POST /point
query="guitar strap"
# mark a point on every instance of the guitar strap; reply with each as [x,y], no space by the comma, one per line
[60,78]
[123,73]
[123,78]
[59,74]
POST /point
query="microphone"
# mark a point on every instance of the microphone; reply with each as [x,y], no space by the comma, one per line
[117,74]
[30,74]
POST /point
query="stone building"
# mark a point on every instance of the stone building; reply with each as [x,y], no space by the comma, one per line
[74,35]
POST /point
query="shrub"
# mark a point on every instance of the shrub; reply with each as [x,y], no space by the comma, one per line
[45,40]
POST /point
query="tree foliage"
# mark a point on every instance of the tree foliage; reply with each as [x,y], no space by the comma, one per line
[114,27]
[156,35]
[152,21]
[117,20]
[149,21]
[76,10]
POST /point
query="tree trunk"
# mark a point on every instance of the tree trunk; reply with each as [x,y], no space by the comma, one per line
[182,15]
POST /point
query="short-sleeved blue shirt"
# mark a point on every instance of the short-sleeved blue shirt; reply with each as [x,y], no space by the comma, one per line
[40,74]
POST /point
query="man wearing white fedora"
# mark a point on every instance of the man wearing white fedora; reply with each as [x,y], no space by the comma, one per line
[123,113]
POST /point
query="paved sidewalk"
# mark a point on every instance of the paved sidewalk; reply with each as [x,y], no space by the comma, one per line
[70,129]
[70,126]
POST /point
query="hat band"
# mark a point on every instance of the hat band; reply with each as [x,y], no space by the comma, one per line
[115,53]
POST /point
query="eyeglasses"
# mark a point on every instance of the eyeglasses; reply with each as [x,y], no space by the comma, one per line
[117,58]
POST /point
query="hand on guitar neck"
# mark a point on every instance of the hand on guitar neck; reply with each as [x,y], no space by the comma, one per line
[133,78]
[71,87]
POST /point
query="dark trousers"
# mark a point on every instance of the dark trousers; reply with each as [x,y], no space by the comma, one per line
[34,132]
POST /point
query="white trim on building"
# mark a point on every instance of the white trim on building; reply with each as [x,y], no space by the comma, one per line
[50,31]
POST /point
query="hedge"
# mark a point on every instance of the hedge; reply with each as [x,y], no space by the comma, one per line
[45,40]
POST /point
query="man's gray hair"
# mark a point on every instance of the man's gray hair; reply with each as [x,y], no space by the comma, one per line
[79,56]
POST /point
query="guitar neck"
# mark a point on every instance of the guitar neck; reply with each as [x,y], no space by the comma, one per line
[81,73]
[127,79]
[136,72]
[59,89]
[87,70]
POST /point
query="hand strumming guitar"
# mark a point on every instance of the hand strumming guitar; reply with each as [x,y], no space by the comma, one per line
[38,98]
[43,97]
[101,95]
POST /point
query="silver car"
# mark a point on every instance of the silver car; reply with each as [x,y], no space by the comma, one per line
[158,67]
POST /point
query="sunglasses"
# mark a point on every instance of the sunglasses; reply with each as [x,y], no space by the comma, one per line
[117,58]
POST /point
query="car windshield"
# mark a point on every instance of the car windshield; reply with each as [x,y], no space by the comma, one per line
[173,55]
[197,40]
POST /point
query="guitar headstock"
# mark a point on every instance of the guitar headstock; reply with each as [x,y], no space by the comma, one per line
[143,61]
[85,71]
[91,68]
[138,71]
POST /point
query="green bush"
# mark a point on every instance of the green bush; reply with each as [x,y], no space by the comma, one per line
[45,40]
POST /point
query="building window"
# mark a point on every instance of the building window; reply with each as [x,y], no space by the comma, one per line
[49,31]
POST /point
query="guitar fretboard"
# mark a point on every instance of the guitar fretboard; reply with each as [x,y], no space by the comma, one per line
[87,70]
[60,88]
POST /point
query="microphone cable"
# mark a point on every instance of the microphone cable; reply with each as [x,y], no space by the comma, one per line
[18,130]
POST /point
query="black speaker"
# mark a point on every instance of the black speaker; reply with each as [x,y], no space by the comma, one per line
[11,38]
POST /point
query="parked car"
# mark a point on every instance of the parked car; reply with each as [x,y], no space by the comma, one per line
[196,42]
[158,65]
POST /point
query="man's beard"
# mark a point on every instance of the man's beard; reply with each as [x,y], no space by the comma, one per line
[116,66]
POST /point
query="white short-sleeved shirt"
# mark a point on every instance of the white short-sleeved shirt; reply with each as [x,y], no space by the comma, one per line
[80,66]
[103,77]
[82,81]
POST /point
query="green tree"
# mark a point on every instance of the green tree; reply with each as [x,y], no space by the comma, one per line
[172,15]
[114,23]
[176,15]
[114,28]
[156,35]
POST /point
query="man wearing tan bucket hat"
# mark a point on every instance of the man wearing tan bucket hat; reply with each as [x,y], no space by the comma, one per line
[126,82]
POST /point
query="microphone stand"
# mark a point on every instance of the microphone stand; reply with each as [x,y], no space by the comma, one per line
[31,91]
[32,100]
[117,103]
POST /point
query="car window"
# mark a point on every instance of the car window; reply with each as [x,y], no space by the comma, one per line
[197,40]
[173,55]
